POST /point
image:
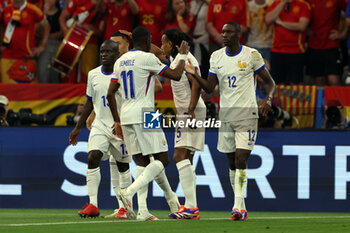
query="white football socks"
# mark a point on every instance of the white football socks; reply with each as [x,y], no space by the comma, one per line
[163,183]
[113,169]
[142,192]
[232,180]
[151,171]
[241,181]
[187,180]
[93,178]
[125,180]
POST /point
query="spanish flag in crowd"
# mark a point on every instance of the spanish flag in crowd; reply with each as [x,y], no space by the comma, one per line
[300,101]
[55,100]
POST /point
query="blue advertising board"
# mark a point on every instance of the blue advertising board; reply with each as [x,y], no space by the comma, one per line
[288,171]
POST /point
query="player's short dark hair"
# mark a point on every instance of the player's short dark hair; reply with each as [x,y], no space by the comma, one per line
[140,35]
[176,37]
[118,33]
[235,24]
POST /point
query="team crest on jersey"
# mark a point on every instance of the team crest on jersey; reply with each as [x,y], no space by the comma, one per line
[124,12]
[242,65]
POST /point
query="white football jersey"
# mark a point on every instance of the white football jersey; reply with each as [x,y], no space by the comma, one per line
[182,89]
[236,77]
[96,90]
[135,71]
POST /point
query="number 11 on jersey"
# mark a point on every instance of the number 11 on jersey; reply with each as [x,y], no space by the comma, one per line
[128,75]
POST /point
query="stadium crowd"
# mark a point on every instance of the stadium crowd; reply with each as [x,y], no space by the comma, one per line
[303,41]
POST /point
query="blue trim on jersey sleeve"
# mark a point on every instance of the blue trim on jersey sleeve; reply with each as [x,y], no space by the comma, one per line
[89,97]
[235,54]
[212,74]
[162,71]
[260,69]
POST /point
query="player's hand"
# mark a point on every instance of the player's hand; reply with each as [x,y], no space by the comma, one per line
[334,34]
[189,67]
[184,48]
[37,51]
[192,116]
[265,106]
[117,130]
[73,136]
[129,34]
[89,123]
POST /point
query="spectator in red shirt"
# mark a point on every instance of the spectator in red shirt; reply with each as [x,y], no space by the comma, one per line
[290,19]
[219,13]
[179,16]
[120,15]
[89,14]
[19,21]
[151,16]
[323,58]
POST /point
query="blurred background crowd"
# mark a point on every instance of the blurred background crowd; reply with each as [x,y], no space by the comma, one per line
[57,41]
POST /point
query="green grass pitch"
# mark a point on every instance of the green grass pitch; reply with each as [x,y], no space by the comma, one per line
[67,220]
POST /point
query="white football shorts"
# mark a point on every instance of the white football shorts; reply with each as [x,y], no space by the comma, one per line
[191,139]
[237,134]
[146,141]
[106,142]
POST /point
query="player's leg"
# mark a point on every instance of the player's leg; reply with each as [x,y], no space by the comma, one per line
[125,181]
[141,163]
[187,178]
[170,196]
[227,145]
[93,178]
[240,186]
[114,173]
[232,170]
[146,143]
[245,137]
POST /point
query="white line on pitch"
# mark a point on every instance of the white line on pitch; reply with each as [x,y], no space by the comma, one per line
[165,220]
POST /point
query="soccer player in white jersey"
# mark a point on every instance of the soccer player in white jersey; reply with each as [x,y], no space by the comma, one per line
[188,102]
[233,68]
[133,73]
[101,141]
[122,38]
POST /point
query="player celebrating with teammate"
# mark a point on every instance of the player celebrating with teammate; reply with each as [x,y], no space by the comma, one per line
[133,73]
[101,141]
[188,102]
[233,68]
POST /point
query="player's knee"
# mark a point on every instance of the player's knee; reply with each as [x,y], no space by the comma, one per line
[241,163]
[94,159]
[122,167]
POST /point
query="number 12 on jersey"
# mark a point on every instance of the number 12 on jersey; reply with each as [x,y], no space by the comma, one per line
[231,81]
[128,75]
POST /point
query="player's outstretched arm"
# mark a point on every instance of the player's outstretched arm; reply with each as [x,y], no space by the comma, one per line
[176,74]
[207,84]
[159,53]
[112,89]
[265,106]
[88,107]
